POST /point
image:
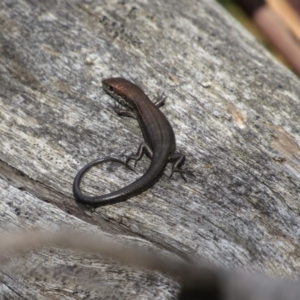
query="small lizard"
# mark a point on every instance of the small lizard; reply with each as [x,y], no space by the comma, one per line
[159,145]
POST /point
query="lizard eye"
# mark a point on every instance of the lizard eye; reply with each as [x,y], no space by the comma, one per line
[110,88]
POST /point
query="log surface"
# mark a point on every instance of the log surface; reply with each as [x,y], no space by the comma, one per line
[235,114]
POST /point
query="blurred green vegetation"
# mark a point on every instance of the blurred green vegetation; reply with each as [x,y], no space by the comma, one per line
[238,13]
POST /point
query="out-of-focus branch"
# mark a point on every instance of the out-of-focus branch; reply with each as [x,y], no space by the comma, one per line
[199,280]
[287,14]
[279,35]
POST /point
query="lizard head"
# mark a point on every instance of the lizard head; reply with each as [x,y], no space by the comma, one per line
[124,91]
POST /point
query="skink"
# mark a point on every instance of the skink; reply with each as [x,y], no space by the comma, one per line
[159,145]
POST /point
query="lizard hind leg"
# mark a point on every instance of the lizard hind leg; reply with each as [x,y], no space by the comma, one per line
[178,160]
[143,149]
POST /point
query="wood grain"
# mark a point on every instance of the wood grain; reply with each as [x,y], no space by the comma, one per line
[232,107]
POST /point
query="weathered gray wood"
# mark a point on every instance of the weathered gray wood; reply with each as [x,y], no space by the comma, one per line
[201,279]
[235,113]
[62,273]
